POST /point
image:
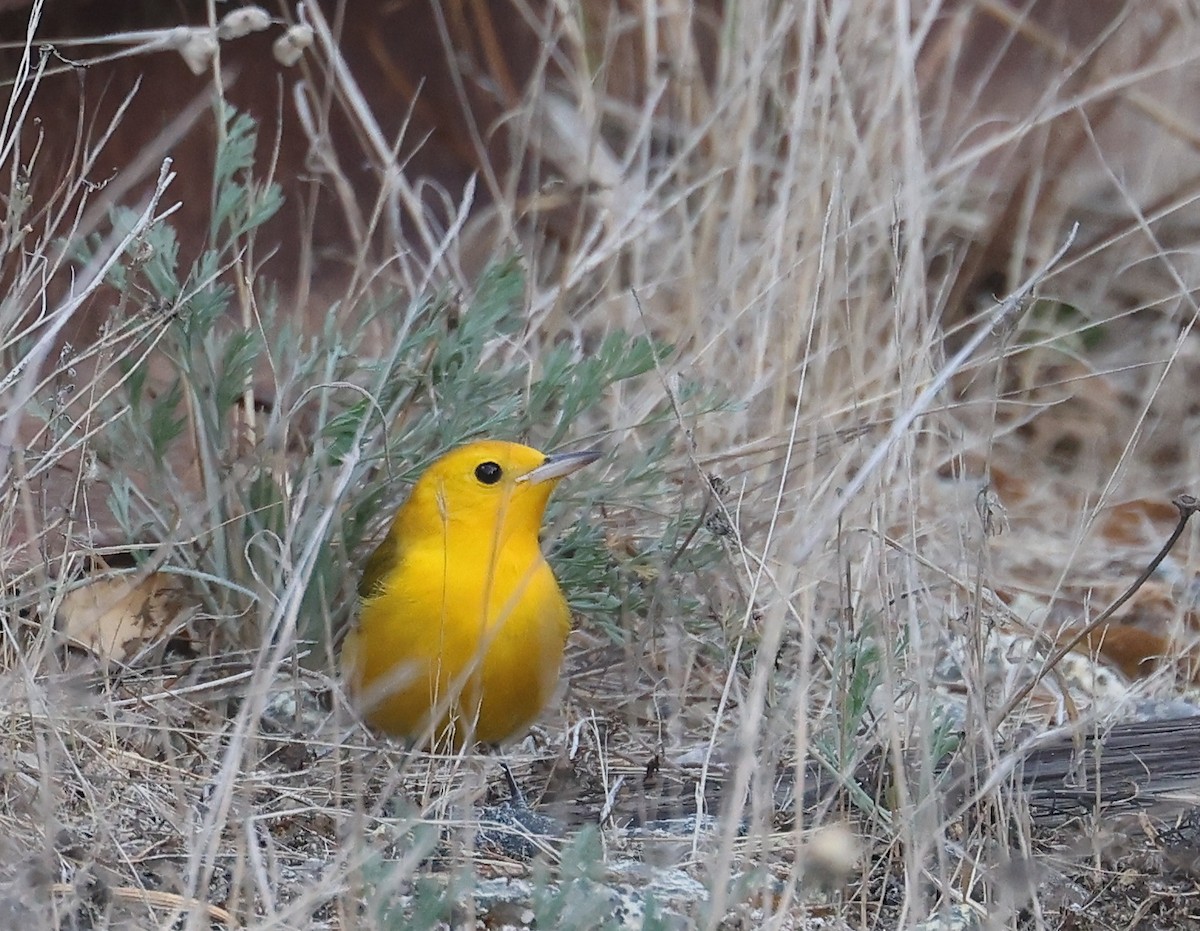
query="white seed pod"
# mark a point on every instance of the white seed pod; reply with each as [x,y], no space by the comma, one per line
[291,45]
[242,22]
[199,49]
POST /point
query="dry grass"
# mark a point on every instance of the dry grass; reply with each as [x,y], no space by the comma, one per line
[816,206]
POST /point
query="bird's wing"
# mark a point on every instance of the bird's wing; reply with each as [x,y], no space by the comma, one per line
[379,565]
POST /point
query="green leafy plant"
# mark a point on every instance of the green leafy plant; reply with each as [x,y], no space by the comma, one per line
[575,897]
[340,403]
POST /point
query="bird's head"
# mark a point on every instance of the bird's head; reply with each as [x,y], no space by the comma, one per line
[489,487]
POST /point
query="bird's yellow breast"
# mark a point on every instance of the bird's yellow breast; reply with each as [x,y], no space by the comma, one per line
[477,652]
[463,626]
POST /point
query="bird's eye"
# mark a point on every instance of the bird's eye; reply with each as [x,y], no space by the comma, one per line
[488,472]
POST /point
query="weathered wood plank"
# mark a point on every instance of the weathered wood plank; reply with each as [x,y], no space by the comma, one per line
[1129,767]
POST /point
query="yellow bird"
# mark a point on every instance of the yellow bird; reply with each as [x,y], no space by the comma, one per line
[463,625]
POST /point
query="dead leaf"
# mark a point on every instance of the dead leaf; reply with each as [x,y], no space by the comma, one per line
[114,617]
[1140,522]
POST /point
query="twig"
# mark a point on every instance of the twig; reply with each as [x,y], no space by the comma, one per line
[610,800]
[155,898]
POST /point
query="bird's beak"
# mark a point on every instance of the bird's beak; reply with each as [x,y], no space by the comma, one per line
[557,466]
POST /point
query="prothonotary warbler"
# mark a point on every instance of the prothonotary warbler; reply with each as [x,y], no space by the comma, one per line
[463,625]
